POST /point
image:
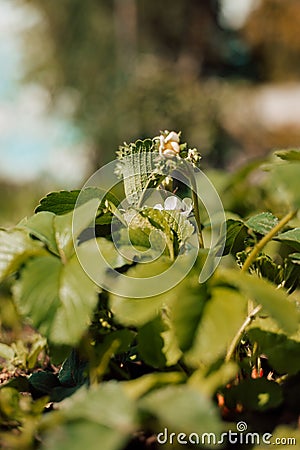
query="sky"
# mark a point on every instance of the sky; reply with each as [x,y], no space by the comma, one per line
[33,142]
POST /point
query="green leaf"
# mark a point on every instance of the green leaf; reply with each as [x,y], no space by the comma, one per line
[173,224]
[283,353]
[140,386]
[182,408]
[72,371]
[188,308]
[59,231]
[59,299]
[124,338]
[15,248]
[290,154]
[221,319]
[37,346]
[58,202]
[268,269]
[137,166]
[63,202]
[139,229]
[102,415]
[20,383]
[257,394]
[9,404]
[284,183]
[262,223]
[291,271]
[83,434]
[42,227]
[236,233]
[6,352]
[42,383]
[150,343]
[275,301]
[97,264]
[209,383]
[137,311]
[68,228]
[171,349]
[291,238]
[112,344]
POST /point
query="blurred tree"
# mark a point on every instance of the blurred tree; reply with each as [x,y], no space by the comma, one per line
[124,68]
[272,32]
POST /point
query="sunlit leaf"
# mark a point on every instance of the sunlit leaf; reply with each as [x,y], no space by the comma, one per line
[42,226]
[209,383]
[138,311]
[291,238]
[83,434]
[58,232]
[59,299]
[68,228]
[275,301]
[222,317]
[182,408]
[104,414]
[6,352]
[284,181]
[15,248]
[151,344]
[140,386]
[188,308]
[135,311]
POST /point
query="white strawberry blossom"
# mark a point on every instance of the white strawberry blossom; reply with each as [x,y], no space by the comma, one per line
[173,203]
[169,144]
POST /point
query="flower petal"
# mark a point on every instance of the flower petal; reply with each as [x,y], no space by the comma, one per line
[172,136]
[175,146]
[172,203]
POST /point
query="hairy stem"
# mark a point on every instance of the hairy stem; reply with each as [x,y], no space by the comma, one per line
[261,244]
[250,259]
[240,333]
[196,207]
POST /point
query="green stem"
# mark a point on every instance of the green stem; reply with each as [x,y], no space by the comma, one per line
[250,259]
[261,244]
[196,207]
[240,333]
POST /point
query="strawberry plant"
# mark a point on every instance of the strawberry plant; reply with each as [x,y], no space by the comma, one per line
[164,320]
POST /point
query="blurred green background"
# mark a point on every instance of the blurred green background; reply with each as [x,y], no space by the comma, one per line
[80,77]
